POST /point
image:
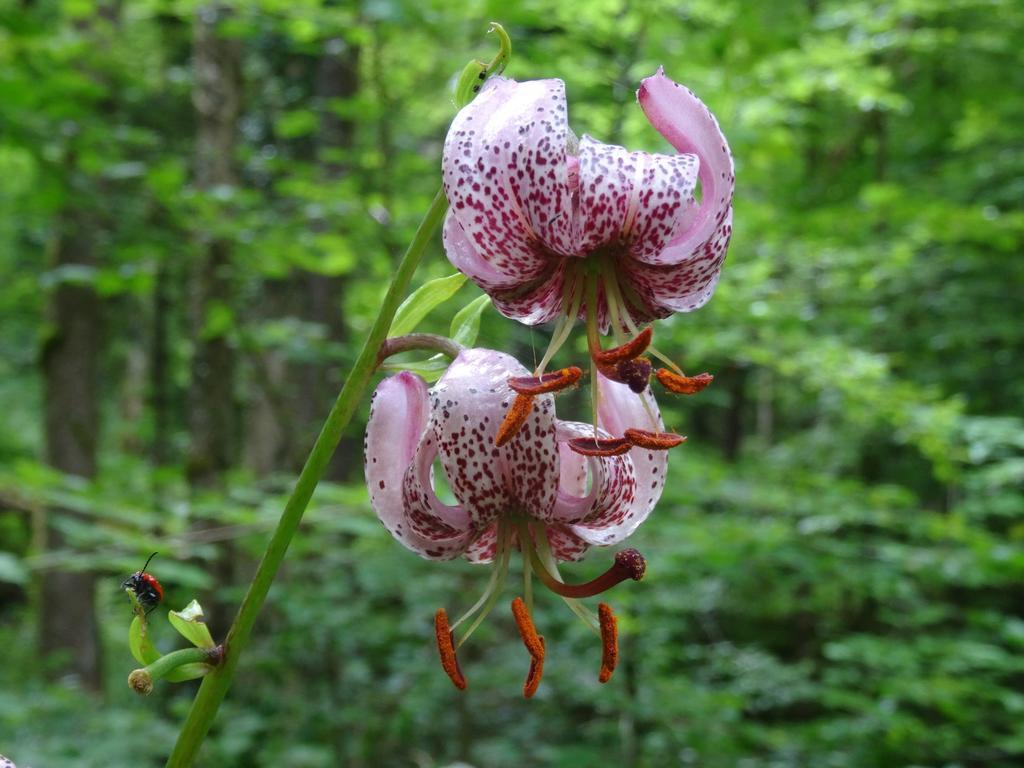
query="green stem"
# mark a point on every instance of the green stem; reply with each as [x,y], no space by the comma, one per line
[216,684]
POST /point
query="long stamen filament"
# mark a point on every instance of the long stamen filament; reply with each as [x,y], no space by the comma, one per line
[593,335]
[492,598]
[492,584]
[614,300]
[524,530]
[564,324]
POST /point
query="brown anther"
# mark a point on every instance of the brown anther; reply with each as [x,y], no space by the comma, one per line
[535,673]
[446,647]
[631,349]
[600,446]
[683,385]
[632,563]
[517,415]
[555,381]
[609,641]
[655,441]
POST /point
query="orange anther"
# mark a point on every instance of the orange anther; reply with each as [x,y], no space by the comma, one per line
[554,381]
[446,647]
[600,446]
[527,631]
[517,415]
[535,673]
[631,349]
[683,385]
[609,641]
[655,441]
[534,644]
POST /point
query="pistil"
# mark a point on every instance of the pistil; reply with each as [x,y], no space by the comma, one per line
[629,564]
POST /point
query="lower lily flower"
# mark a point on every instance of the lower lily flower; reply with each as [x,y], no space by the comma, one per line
[533,493]
[556,228]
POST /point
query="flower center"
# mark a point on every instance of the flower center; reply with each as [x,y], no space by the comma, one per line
[531,538]
[591,286]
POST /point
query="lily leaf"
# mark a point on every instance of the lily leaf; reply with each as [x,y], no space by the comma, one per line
[466,323]
[422,301]
[191,625]
[141,646]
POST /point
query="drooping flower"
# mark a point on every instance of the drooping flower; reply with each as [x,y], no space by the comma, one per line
[531,494]
[558,229]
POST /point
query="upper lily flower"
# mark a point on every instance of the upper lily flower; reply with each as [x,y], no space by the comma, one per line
[558,229]
[532,493]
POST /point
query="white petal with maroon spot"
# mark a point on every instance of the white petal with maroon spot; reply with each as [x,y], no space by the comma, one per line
[610,478]
[685,286]
[398,419]
[688,125]
[566,546]
[468,405]
[617,488]
[574,500]
[485,546]
[620,408]
[632,200]
[535,304]
[506,178]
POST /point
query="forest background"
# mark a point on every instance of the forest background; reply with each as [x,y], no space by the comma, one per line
[200,208]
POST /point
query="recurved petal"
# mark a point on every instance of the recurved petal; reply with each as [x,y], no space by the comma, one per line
[684,286]
[535,303]
[618,409]
[688,125]
[506,177]
[465,257]
[398,419]
[613,490]
[566,546]
[485,546]
[467,405]
[574,501]
[635,200]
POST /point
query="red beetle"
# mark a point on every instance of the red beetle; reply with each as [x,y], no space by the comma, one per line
[147,589]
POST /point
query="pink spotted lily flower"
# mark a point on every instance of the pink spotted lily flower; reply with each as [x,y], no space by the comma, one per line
[532,494]
[554,228]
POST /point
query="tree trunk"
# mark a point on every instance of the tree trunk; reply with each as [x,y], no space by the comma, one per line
[213,418]
[217,99]
[69,360]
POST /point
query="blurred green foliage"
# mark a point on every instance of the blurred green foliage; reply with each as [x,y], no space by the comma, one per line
[837,566]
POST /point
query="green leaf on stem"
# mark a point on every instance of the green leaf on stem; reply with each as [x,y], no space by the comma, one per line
[141,646]
[191,624]
[422,301]
[466,323]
